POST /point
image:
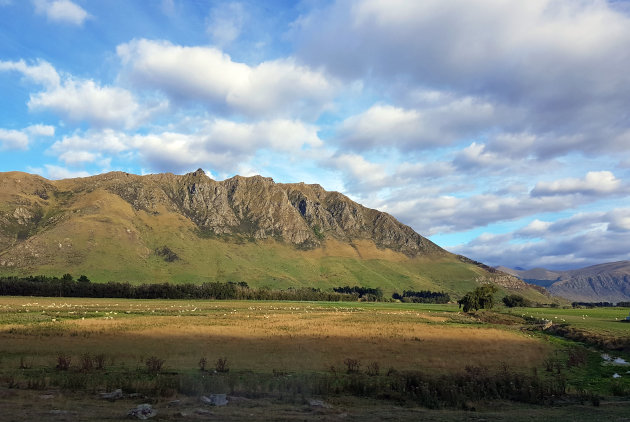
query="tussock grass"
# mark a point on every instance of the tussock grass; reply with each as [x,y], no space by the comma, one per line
[259,336]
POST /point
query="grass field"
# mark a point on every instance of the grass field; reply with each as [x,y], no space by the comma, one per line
[260,336]
[281,353]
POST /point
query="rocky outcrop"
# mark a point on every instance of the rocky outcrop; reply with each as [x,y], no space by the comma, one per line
[258,208]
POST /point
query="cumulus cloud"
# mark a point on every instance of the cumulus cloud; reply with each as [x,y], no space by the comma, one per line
[58,172]
[594,183]
[41,72]
[220,144]
[81,100]
[62,11]
[384,125]
[361,176]
[85,100]
[552,67]
[20,139]
[580,240]
[207,75]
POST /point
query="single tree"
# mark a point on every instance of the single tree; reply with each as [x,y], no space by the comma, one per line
[480,298]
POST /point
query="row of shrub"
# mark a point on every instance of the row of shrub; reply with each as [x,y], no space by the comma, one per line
[461,390]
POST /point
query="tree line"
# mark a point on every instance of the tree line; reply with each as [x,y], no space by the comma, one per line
[66,286]
[422,296]
[600,304]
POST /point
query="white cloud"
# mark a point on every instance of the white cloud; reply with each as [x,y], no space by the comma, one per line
[219,144]
[225,22]
[20,139]
[41,73]
[13,139]
[438,123]
[534,229]
[594,183]
[579,240]
[85,100]
[361,176]
[79,100]
[476,155]
[549,68]
[58,172]
[619,220]
[62,11]
[207,75]
[41,130]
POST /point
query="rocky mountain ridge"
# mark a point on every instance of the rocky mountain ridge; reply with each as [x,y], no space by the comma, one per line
[117,226]
[609,282]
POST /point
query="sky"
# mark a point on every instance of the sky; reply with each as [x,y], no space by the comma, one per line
[499,129]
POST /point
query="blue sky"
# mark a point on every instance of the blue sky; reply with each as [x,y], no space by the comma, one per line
[498,129]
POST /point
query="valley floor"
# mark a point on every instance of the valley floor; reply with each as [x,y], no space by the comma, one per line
[354,361]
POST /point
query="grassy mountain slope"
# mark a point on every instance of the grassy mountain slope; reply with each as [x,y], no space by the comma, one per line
[190,228]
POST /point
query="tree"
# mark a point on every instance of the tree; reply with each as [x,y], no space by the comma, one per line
[83,279]
[480,298]
[512,301]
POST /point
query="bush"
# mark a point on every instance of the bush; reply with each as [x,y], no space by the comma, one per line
[154,364]
[221,365]
[63,362]
[352,365]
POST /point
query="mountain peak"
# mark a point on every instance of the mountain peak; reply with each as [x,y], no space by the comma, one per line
[252,229]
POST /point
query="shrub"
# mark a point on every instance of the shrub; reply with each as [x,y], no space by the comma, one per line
[99,361]
[87,364]
[352,365]
[202,363]
[154,364]
[221,365]
[373,369]
[63,362]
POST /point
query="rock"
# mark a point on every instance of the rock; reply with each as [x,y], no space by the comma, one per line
[318,403]
[203,412]
[546,324]
[174,403]
[142,411]
[215,400]
[113,395]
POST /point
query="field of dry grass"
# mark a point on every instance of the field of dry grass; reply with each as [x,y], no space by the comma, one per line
[432,362]
[258,336]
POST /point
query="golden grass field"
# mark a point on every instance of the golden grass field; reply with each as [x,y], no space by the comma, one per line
[258,336]
[281,355]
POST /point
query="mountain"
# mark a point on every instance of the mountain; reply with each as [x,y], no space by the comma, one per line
[608,282]
[177,228]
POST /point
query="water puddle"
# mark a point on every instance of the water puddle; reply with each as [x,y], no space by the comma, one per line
[609,360]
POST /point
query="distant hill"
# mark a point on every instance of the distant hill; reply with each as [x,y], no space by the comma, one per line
[190,228]
[608,282]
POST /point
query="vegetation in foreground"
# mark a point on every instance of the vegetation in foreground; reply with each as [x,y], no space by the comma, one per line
[288,352]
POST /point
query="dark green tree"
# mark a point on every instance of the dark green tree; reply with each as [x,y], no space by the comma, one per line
[512,301]
[480,298]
